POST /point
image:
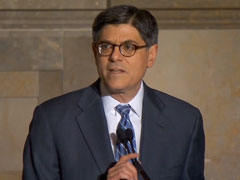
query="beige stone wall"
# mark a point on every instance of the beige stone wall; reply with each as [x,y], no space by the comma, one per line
[203,68]
[45,51]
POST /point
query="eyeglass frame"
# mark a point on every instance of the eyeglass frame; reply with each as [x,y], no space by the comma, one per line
[119,47]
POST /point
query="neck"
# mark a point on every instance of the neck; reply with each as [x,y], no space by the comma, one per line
[122,97]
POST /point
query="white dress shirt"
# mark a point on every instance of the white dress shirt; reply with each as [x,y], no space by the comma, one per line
[113,117]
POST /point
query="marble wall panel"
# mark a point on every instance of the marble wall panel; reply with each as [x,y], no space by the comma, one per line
[79,66]
[15,116]
[19,84]
[203,67]
[181,4]
[30,50]
[38,19]
[197,18]
[52,4]
[10,175]
[50,85]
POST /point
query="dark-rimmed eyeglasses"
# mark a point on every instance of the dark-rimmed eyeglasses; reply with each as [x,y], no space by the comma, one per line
[126,49]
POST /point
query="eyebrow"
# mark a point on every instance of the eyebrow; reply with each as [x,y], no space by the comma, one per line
[124,42]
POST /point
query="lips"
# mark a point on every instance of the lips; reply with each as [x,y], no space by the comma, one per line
[116,70]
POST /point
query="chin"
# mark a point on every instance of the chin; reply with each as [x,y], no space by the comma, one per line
[114,83]
[114,89]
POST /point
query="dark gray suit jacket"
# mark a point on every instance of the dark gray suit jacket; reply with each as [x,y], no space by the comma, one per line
[68,138]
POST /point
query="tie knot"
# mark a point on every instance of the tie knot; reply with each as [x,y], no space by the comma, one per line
[123,109]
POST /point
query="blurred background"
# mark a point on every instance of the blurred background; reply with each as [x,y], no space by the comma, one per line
[45,51]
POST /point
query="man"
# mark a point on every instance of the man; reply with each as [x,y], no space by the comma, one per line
[74,136]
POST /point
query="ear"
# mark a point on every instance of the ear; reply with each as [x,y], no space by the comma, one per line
[152,55]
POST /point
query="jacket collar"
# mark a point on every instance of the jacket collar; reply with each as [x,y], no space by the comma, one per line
[92,123]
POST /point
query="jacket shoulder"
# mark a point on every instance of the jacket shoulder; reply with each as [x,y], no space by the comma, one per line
[170,101]
[67,99]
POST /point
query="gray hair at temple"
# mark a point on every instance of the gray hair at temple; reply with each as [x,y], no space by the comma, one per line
[142,20]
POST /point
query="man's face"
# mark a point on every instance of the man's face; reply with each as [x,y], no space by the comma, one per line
[122,74]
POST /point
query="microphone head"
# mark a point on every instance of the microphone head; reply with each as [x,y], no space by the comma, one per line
[121,136]
[129,134]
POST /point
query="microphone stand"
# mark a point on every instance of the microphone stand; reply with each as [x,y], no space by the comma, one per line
[129,137]
[123,137]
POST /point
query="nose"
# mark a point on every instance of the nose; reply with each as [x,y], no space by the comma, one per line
[116,55]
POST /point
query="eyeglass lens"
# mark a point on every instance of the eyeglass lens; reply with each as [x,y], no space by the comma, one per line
[126,49]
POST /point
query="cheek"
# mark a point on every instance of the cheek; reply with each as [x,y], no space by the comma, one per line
[143,65]
[99,66]
[100,63]
[140,64]
[138,69]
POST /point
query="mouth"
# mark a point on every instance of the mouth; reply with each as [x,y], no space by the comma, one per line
[116,71]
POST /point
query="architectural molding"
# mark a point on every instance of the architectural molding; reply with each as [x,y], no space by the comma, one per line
[75,19]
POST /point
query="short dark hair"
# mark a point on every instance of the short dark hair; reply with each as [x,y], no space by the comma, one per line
[142,20]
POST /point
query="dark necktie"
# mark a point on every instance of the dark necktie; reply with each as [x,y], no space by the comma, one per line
[124,123]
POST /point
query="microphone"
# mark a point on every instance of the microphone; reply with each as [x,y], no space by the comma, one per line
[129,137]
[123,137]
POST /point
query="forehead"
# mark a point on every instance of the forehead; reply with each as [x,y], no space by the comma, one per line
[120,33]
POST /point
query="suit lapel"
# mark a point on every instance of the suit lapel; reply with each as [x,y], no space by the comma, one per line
[153,126]
[93,126]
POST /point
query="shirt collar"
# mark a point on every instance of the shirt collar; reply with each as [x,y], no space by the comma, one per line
[109,103]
